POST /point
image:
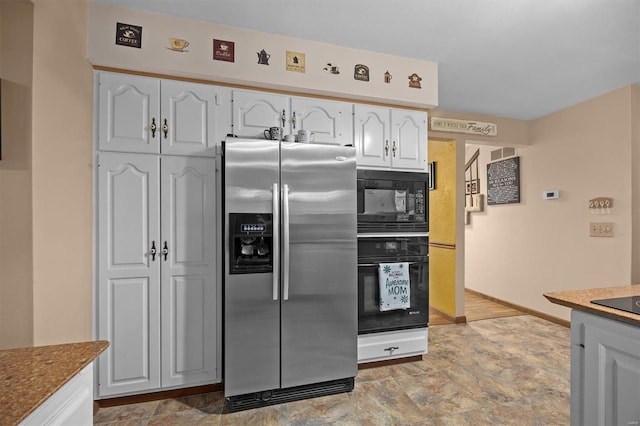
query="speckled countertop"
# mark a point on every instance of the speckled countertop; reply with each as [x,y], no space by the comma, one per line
[28,376]
[581,299]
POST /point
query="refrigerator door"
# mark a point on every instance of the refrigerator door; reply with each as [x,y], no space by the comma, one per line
[319,300]
[251,315]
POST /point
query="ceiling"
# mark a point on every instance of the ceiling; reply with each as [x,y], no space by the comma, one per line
[509,58]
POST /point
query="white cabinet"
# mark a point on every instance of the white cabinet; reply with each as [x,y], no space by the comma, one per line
[390,138]
[149,115]
[392,344]
[72,404]
[156,272]
[253,112]
[605,371]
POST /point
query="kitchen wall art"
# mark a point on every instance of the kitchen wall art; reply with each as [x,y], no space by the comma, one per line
[263,57]
[128,35]
[178,44]
[223,50]
[503,181]
[361,72]
[295,61]
[331,68]
[414,81]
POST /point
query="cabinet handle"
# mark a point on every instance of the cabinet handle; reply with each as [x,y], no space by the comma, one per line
[154,127]
[153,251]
[165,250]
[386,147]
[392,348]
[165,128]
[293,120]
[394,149]
[283,118]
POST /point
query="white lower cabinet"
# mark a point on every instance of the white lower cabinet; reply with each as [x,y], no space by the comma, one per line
[605,371]
[392,344]
[156,272]
[72,404]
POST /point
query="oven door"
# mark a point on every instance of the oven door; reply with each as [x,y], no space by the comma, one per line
[370,318]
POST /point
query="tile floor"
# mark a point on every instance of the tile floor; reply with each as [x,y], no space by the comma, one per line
[504,371]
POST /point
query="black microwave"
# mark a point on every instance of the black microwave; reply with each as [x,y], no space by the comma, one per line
[391,201]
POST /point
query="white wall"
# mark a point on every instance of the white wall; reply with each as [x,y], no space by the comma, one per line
[517,252]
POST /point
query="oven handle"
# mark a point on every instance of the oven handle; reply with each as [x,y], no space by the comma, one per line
[377,264]
[392,234]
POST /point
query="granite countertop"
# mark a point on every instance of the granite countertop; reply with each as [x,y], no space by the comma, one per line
[29,376]
[581,299]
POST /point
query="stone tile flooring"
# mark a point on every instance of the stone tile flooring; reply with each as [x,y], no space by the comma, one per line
[504,371]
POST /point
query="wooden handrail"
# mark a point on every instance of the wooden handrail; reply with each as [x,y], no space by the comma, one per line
[472,159]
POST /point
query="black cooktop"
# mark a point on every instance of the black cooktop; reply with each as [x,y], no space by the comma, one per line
[627,304]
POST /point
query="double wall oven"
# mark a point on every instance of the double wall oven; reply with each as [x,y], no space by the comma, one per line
[393,214]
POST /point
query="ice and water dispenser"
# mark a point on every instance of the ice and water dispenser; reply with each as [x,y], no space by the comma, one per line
[251,243]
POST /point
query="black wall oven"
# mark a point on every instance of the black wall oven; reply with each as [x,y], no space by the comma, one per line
[393,225]
[374,250]
[392,201]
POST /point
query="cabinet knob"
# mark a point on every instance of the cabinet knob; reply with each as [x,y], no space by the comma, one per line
[165,250]
[154,251]
[153,127]
[394,149]
[386,147]
[293,120]
[165,128]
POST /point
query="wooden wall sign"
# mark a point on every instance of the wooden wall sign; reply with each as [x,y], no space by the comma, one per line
[472,127]
[503,181]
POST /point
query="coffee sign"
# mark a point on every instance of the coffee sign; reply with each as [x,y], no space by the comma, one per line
[128,35]
[223,50]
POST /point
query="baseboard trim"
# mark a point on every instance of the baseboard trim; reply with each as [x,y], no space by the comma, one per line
[155,396]
[456,320]
[532,312]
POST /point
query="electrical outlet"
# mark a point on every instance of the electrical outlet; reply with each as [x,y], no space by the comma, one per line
[601,229]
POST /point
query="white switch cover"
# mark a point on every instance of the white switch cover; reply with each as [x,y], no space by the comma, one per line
[601,229]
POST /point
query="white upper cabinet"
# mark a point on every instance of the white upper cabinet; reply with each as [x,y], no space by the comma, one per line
[329,121]
[128,107]
[390,138]
[254,112]
[148,115]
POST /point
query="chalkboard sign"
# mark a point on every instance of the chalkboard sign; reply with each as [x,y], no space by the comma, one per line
[503,181]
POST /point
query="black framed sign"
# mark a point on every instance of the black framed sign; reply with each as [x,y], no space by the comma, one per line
[503,181]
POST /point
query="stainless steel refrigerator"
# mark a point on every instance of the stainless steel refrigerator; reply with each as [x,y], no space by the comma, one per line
[290,280]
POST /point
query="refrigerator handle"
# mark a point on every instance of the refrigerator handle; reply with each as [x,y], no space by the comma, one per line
[276,239]
[285,242]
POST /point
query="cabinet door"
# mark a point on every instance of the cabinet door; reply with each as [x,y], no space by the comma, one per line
[128,106]
[254,112]
[372,131]
[612,372]
[330,121]
[192,114]
[128,274]
[188,271]
[409,140]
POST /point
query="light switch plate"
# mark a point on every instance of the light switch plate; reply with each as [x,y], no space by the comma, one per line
[601,229]
[550,194]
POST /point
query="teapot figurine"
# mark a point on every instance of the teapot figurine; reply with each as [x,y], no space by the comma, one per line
[263,57]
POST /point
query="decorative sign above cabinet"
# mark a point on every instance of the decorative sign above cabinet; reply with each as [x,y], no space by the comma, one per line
[472,127]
